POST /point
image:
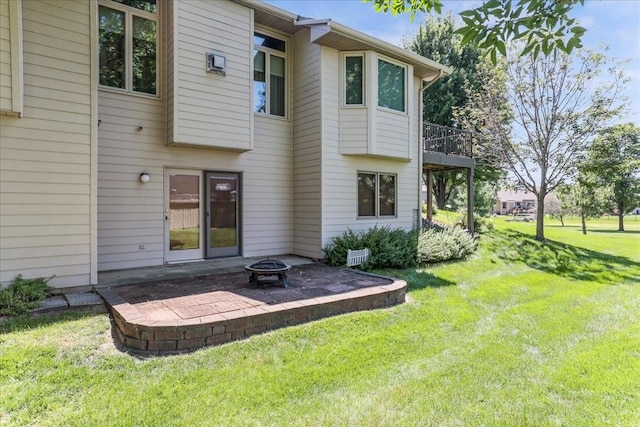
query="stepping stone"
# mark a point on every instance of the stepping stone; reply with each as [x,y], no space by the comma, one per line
[52,303]
[83,299]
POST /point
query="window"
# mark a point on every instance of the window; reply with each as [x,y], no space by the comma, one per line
[376,194]
[269,82]
[354,80]
[128,45]
[391,86]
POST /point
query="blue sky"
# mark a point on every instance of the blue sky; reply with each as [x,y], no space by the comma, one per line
[615,23]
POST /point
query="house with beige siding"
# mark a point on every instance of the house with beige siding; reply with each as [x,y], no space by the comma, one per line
[510,202]
[141,132]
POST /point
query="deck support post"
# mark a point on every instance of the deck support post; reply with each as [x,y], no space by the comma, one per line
[470,200]
[429,195]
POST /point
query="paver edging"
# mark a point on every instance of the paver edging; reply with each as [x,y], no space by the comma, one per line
[150,336]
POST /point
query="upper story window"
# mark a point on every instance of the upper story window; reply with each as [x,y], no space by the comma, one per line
[269,72]
[129,45]
[354,79]
[391,86]
[376,194]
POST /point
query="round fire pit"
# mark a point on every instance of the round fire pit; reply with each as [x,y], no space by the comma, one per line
[268,267]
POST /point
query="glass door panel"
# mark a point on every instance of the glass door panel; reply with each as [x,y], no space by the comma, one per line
[223,207]
[183,216]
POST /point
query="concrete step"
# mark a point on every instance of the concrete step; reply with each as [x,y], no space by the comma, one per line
[74,301]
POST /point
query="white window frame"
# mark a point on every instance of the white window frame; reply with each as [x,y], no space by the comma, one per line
[405,69]
[346,55]
[377,214]
[267,65]
[129,11]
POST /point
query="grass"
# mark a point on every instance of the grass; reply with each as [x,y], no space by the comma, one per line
[523,333]
[190,237]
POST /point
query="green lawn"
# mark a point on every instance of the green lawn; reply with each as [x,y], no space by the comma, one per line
[190,237]
[523,333]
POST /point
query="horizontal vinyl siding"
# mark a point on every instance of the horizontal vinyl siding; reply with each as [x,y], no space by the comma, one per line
[6,93]
[45,157]
[267,201]
[170,76]
[126,207]
[339,201]
[354,131]
[208,109]
[307,178]
[131,214]
[392,134]
[336,196]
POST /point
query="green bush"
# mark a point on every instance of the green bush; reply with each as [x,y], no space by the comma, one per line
[402,249]
[23,295]
[481,224]
[443,244]
[434,209]
[389,248]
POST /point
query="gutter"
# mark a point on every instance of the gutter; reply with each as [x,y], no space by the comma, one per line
[268,8]
[299,21]
[429,83]
[324,26]
[357,35]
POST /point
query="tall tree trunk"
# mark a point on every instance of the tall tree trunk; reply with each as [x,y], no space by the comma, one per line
[440,190]
[540,214]
[620,217]
[583,218]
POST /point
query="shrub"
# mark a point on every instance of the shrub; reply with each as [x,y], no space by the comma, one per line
[481,224]
[23,295]
[389,248]
[402,249]
[426,224]
[434,209]
[442,244]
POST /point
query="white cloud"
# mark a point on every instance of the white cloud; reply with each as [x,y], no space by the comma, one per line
[587,21]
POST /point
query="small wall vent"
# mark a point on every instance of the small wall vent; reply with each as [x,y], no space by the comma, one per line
[216,63]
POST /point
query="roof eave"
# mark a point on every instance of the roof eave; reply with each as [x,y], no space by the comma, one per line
[324,31]
[425,68]
[266,7]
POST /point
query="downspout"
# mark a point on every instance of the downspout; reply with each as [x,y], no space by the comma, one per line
[424,86]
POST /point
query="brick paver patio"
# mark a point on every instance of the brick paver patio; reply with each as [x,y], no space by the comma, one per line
[187,313]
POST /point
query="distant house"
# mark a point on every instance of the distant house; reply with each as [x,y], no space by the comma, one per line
[509,202]
[142,133]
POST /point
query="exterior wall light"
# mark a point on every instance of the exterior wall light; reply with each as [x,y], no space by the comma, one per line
[144,177]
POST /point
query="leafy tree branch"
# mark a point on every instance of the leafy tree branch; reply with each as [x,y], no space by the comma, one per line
[543,26]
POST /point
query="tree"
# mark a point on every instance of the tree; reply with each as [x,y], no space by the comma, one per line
[484,198]
[554,208]
[583,198]
[435,39]
[557,109]
[614,158]
[543,25]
